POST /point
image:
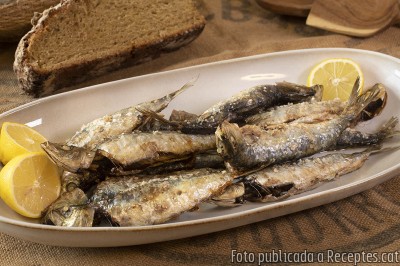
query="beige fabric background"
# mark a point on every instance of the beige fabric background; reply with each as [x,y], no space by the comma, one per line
[365,222]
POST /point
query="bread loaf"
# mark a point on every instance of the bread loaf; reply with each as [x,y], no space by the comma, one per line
[80,39]
[16,15]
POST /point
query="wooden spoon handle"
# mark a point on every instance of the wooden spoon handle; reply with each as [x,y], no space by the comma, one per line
[361,18]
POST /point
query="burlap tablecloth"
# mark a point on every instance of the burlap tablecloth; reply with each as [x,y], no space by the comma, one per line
[367,222]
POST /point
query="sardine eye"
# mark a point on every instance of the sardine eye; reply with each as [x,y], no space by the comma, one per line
[71,186]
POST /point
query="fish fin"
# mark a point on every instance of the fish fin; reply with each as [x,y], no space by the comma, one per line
[374,149]
[181,116]
[297,92]
[357,102]
[156,116]
[319,89]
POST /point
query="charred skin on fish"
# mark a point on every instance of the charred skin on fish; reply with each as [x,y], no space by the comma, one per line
[252,147]
[136,150]
[317,110]
[123,121]
[283,180]
[131,201]
[240,106]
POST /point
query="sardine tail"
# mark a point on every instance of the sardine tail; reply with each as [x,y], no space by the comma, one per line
[187,85]
[355,92]
[388,129]
[163,102]
[374,149]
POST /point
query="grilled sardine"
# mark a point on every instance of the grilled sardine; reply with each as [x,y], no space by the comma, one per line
[283,180]
[129,201]
[123,121]
[252,147]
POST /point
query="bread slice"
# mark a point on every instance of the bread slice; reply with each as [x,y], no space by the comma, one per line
[16,15]
[80,39]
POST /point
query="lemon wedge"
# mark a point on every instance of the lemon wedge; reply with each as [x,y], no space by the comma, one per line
[338,76]
[17,139]
[29,183]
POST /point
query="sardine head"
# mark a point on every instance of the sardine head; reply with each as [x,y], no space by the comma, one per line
[232,196]
[228,137]
[69,157]
[254,191]
[71,209]
[377,105]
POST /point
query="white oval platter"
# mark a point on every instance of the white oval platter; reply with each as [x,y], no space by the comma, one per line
[58,117]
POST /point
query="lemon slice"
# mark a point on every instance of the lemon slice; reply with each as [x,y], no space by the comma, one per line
[29,183]
[17,139]
[338,76]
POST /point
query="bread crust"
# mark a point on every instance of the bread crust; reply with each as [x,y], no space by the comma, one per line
[16,15]
[38,83]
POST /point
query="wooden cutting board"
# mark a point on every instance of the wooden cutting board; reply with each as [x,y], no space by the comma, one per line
[361,18]
[299,8]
